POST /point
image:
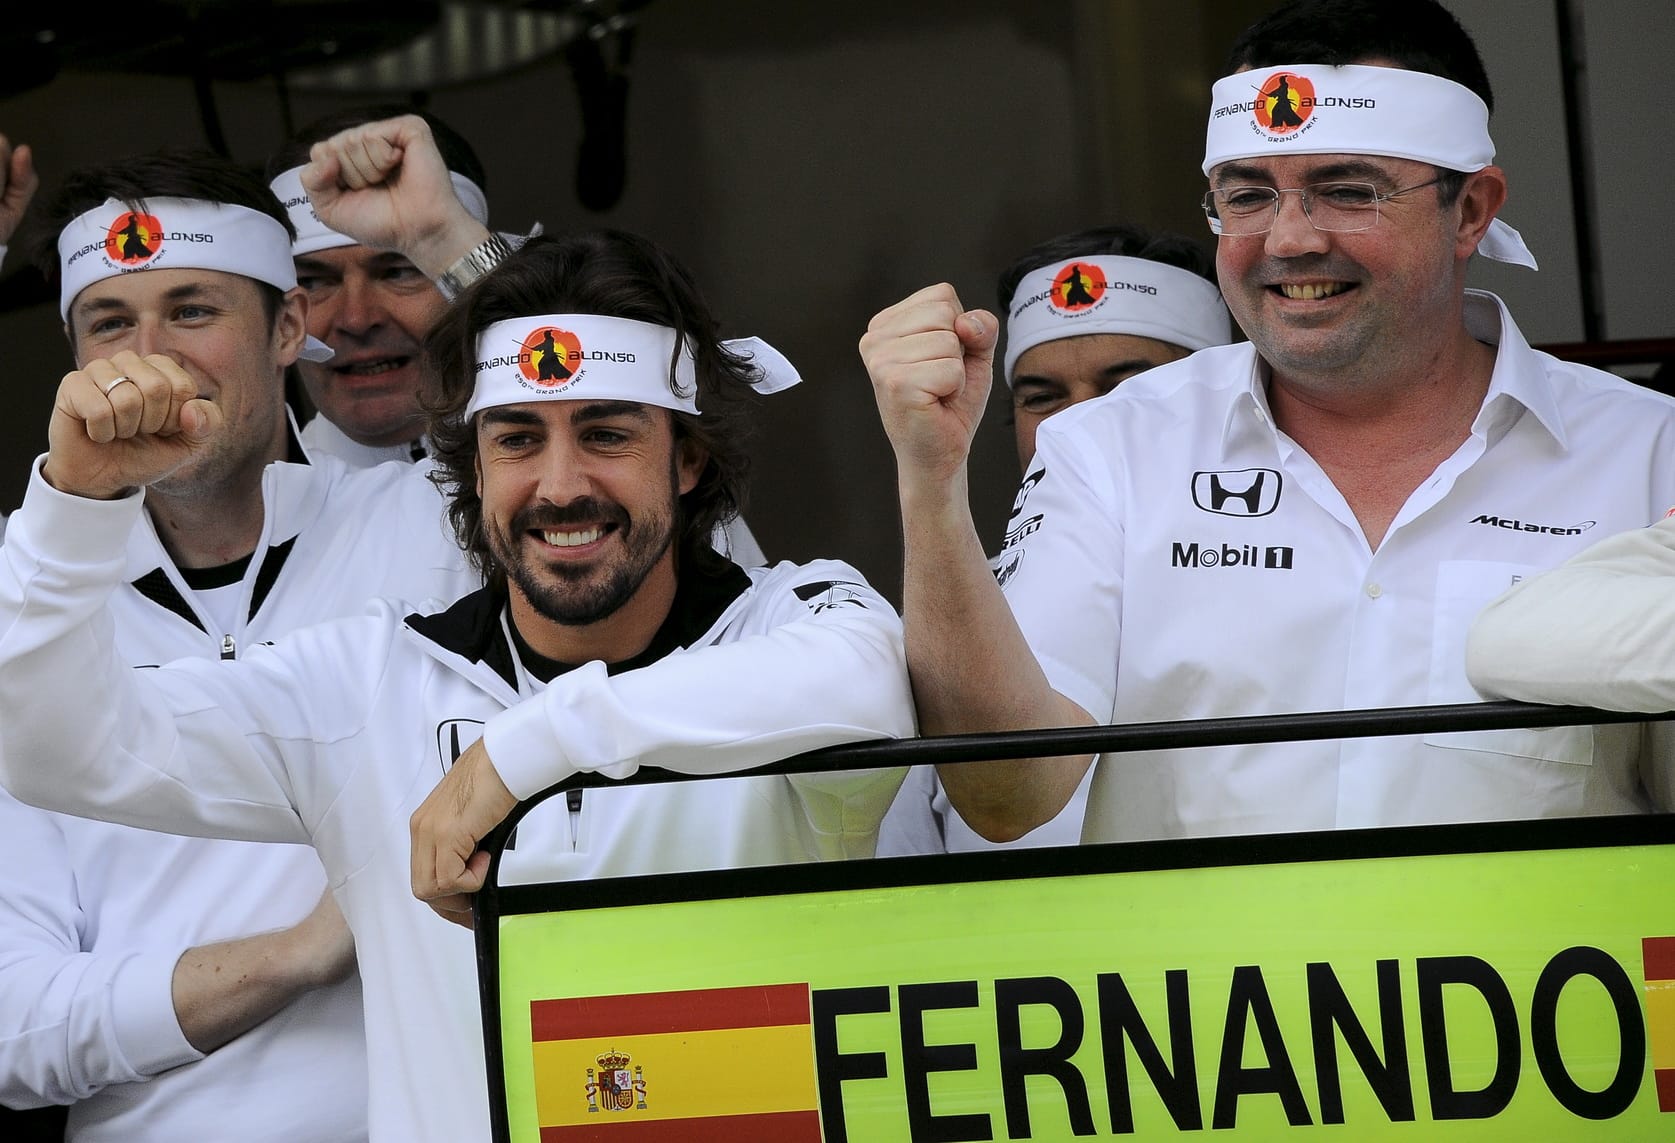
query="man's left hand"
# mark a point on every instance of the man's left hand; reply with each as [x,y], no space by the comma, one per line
[448,868]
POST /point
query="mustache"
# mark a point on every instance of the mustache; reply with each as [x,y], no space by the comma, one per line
[553,517]
[1323,266]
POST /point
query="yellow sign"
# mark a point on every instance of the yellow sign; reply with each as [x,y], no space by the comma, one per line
[1493,996]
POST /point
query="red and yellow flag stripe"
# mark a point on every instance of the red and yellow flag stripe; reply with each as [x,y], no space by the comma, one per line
[733,1064]
[1658,956]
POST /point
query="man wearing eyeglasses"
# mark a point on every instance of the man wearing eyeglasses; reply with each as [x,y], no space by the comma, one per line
[1307,522]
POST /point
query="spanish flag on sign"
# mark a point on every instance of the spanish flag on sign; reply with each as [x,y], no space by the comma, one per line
[728,1065]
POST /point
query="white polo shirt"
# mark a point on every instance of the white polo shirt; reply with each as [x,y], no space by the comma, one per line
[1172,555]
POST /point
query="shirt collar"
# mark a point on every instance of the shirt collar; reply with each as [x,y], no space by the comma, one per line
[1519,381]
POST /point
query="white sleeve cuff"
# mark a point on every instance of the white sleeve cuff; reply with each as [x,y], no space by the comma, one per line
[143,1018]
[77,530]
[523,747]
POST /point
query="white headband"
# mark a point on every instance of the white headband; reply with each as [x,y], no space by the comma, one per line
[175,234]
[1315,109]
[573,357]
[1108,293]
[312,234]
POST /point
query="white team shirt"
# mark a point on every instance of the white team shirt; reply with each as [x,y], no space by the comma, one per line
[94,916]
[332,736]
[1254,591]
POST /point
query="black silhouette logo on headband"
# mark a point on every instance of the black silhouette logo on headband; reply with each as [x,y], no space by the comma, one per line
[1078,287]
[550,357]
[1284,103]
[133,239]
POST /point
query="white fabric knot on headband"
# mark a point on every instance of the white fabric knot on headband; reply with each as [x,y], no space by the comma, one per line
[572,357]
[312,234]
[176,234]
[1357,109]
[1110,293]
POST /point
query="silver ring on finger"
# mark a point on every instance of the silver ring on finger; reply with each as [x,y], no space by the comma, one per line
[115,381]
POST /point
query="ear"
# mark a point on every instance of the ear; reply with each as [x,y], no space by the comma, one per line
[290,325]
[477,467]
[1480,201]
[690,459]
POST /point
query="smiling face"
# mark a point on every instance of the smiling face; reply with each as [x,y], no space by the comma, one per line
[373,308]
[1058,374]
[1334,308]
[580,509]
[217,327]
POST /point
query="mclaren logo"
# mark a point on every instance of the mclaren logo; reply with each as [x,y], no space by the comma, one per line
[1512,525]
[1239,492]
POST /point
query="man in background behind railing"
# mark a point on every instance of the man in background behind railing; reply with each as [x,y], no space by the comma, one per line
[1308,522]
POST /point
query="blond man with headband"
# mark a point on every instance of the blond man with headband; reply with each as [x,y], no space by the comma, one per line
[610,636]
[1306,522]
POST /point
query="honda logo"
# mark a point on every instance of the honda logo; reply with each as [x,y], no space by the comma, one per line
[1239,492]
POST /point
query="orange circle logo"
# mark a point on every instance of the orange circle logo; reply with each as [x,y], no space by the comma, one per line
[1078,287]
[550,357]
[1284,103]
[134,239]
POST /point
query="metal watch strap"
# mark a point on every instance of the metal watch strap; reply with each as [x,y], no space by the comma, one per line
[473,264]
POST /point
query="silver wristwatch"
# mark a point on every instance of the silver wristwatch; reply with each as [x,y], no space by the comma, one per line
[473,264]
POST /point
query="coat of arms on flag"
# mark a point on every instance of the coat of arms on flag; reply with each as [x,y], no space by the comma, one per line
[613,1086]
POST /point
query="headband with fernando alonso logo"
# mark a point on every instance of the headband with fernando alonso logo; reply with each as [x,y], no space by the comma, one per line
[570,357]
[1109,293]
[1358,109]
[175,234]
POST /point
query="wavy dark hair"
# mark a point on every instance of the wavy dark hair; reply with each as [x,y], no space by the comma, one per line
[614,274]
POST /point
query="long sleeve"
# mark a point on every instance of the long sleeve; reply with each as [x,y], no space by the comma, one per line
[71,1021]
[819,661]
[1599,630]
[196,747]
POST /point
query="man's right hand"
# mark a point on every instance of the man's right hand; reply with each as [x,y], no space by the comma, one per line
[385,185]
[931,362]
[123,423]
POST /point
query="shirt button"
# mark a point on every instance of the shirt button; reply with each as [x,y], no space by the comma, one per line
[1374,591]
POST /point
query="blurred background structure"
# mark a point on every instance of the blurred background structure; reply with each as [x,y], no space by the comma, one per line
[816,162]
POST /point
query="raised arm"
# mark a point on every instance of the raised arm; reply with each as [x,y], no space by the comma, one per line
[931,361]
[385,185]
[80,731]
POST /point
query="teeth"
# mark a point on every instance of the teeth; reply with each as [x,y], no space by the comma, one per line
[1311,291]
[571,539]
[371,368]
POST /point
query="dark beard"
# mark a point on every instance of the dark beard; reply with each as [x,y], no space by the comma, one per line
[576,597]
